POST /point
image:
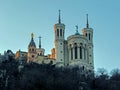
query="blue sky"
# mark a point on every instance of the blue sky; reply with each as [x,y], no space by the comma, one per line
[19,18]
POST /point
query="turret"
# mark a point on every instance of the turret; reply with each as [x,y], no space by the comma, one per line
[88,33]
[59,30]
[40,51]
[31,49]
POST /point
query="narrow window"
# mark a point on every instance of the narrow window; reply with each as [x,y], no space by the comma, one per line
[90,71]
[86,34]
[32,56]
[29,50]
[60,32]
[83,67]
[75,51]
[33,50]
[40,53]
[81,44]
[51,62]
[89,36]
[71,53]
[80,52]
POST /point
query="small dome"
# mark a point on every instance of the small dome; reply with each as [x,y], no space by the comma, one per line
[77,33]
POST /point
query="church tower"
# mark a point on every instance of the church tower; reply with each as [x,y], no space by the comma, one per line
[59,31]
[88,33]
[31,50]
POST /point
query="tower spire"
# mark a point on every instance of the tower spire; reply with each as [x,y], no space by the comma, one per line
[59,20]
[39,42]
[87,25]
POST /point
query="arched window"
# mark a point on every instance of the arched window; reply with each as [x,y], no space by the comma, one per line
[29,50]
[81,44]
[58,32]
[40,53]
[32,56]
[75,50]
[51,62]
[83,67]
[32,50]
[89,36]
[80,52]
[70,46]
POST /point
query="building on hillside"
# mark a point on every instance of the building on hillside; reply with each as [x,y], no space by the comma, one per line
[77,49]
[21,56]
[8,55]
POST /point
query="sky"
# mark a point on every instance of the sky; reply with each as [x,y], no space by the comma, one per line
[19,18]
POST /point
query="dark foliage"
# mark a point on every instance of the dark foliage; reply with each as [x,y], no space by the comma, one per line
[47,77]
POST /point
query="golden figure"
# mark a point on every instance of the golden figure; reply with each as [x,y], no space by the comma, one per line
[32,35]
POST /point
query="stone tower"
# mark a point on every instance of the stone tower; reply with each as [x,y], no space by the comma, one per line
[88,33]
[59,30]
[31,50]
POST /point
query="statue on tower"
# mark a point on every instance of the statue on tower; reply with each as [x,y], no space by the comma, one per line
[76,28]
[77,33]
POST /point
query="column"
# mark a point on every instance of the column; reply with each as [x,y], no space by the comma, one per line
[87,56]
[82,53]
[73,53]
[69,54]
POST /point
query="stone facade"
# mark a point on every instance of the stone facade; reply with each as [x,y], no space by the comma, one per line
[76,50]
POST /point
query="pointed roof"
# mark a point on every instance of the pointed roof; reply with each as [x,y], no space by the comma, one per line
[32,43]
[87,24]
[59,23]
[59,19]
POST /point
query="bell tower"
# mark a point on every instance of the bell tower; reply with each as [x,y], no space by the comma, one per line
[88,33]
[59,31]
[31,50]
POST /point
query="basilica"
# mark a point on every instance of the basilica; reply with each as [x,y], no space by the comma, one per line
[77,50]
